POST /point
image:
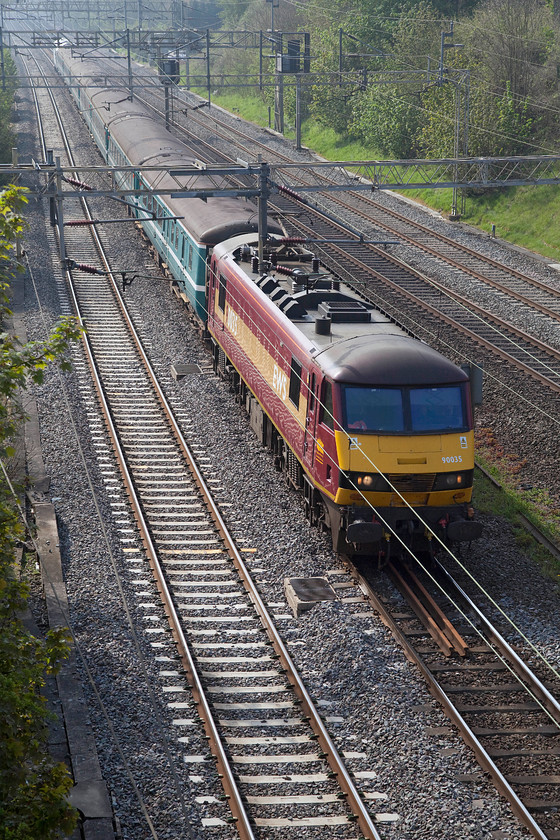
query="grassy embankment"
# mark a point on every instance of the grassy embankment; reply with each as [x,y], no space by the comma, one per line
[523,216]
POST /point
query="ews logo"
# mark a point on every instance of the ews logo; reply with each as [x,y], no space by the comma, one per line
[280,383]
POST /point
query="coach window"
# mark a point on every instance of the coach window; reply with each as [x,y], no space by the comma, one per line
[295,382]
[189,264]
[327,406]
[222,293]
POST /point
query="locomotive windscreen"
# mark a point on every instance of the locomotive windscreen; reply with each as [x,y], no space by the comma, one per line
[405,410]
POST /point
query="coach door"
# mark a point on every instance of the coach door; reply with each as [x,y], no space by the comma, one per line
[310,421]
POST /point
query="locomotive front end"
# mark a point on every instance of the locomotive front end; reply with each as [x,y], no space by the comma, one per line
[404,446]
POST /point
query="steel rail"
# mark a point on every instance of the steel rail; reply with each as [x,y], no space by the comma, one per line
[537,284]
[483,758]
[483,258]
[432,617]
[443,289]
[539,536]
[464,249]
[521,668]
[540,345]
[484,314]
[235,802]
[426,248]
[330,752]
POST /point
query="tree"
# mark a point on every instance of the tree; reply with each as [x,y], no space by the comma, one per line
[6,103]
[391,116]
[32,785]
[512,48]
[389,120]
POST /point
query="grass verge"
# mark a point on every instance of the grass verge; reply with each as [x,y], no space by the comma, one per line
[509,502]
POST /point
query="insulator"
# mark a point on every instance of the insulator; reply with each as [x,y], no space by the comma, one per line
[284,269]
[80,222]
[293,240]
[290,192]
[87,269]
[79,184]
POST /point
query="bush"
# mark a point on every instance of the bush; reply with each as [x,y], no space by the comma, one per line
[32,786]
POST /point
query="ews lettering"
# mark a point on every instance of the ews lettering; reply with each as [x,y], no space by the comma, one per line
[232,321]
[280,383]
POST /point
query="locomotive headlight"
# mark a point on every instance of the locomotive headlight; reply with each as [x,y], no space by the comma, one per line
[453,481]
[368,480]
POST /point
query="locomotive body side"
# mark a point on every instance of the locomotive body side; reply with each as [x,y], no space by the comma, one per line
[270,354]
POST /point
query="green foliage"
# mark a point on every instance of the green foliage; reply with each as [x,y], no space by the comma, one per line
[392,117]
[20,362]
[7,136]
[32,786]
[386,119]
[510,48]
[515,124]
[509,503]
[232,13]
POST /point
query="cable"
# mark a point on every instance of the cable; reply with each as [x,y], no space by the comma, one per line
[258,373]
[518,630]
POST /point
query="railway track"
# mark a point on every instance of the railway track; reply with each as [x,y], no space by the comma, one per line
[506,722]
[371,218]
[385,280]
[507,712]
[279,767]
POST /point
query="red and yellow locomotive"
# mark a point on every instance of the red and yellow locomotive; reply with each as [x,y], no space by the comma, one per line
[375,426]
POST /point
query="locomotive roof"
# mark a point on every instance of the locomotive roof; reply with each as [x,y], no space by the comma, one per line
[145,141]
[386,359]
[362,345]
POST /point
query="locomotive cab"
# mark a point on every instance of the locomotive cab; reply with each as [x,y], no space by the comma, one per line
[404,450]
